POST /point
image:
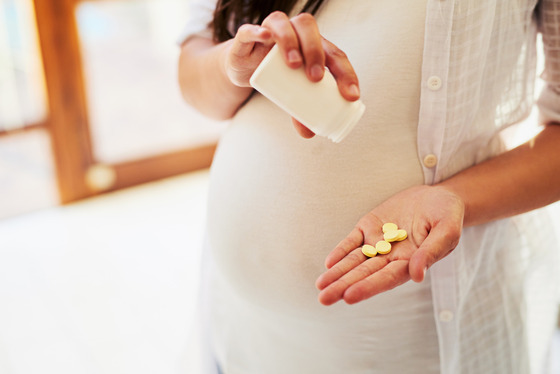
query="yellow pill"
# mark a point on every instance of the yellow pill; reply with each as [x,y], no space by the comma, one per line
[369,250]
[389,227]
[391,236]
[382,247]
[402,235]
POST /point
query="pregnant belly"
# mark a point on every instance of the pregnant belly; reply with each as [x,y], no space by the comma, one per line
[278,204]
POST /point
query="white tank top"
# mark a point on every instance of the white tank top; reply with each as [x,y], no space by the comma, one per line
[278,204]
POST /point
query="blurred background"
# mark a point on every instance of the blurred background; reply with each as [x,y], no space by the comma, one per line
[89,101]
[103,178]
[103,174]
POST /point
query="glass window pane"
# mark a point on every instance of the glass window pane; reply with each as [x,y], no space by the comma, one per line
[27,176]
[22,89]
[130,63]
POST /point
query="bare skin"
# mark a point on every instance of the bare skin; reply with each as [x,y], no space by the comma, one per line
[215,79]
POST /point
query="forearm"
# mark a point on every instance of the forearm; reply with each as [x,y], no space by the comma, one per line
[520,180]
[203,81]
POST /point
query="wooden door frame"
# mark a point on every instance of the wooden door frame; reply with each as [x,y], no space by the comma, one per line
[67,119]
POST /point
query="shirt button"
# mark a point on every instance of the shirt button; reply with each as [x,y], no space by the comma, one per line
[434,83]
[430,161]
[446,316]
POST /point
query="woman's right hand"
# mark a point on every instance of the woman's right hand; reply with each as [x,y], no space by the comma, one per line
[246,51]
[301,44]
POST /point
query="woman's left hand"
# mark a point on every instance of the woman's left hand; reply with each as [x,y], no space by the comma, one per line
[433,219]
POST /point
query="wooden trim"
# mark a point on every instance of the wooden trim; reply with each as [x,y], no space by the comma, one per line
[162,166]
[23,129]
[67,117]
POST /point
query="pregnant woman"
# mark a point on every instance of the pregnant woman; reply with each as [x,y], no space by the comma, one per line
[473,289]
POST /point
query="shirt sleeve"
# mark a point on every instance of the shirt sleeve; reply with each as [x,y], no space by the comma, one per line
[201,13]
[549,26]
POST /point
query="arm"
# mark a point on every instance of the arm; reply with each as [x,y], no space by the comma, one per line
[203,80]
[523,179]
[515,182]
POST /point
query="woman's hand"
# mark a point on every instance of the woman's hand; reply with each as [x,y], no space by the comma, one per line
[433,218]
[301,44]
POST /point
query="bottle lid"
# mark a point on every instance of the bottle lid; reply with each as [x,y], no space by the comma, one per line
[347,124]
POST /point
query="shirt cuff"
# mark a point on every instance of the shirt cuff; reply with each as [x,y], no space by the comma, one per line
[201,13]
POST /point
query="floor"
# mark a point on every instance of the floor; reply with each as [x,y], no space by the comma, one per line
[106,286]
[128,118]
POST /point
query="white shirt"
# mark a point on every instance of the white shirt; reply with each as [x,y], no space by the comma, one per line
[477,78]
[279,203]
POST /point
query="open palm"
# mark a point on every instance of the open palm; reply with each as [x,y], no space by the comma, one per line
[433,218]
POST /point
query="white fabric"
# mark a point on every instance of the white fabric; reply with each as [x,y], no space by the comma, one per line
[198,20]
[494,297]
[278,204]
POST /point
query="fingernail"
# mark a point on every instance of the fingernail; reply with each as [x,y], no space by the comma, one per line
[317,72]
[354,90]
[424,275]
[294,56]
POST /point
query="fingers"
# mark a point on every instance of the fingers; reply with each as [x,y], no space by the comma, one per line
[311,45]
[371,277]
[442,239]
[347,265]
[354,277]
[344,266]
[300,41]
[368,230]
[303,131]
[353,268]
[351,242]
[342,70]
[246,51]
[285,36]
[247,36]
[390,276]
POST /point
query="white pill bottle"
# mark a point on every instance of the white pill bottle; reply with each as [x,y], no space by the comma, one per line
[317,105]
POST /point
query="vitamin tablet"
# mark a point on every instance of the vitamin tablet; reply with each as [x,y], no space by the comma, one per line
[382,247]
[402,235]
[389,227]
[391,235]
[369,250]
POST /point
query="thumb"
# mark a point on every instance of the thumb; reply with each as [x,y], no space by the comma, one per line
[302,130]
[246,37]
[442,239]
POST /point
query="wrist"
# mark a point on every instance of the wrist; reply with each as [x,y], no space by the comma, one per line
[459,196]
